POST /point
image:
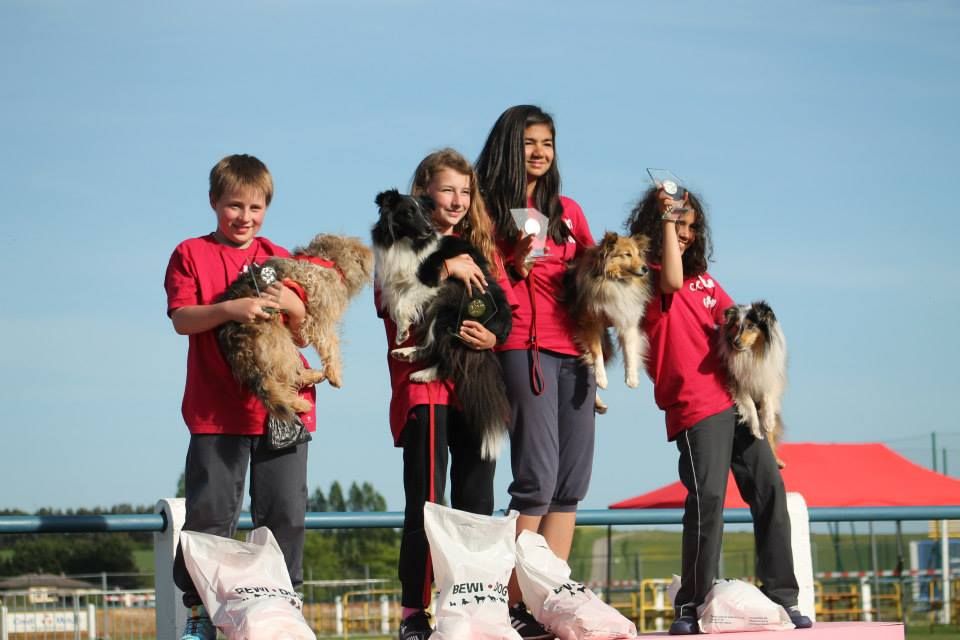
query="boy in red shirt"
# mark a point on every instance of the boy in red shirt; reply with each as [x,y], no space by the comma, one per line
[225,419]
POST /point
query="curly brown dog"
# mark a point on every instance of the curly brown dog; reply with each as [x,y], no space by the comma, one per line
[609,286]
[331,270]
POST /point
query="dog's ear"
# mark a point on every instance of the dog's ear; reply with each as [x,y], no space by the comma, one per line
[608,244]
[603,252]
[427,203]
[387,198]
[609,238]
[730,315]
[764,312]
[642,242]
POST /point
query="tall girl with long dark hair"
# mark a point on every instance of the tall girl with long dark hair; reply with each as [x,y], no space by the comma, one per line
[551,391]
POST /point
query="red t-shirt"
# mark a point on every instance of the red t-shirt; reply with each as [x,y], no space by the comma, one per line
[199,271]
[689,383]
[406,394]
[554,325]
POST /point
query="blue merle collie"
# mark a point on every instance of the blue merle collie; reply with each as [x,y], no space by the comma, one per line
[754,351]
[409,256]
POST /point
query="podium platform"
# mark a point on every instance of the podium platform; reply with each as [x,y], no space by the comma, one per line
[820,631]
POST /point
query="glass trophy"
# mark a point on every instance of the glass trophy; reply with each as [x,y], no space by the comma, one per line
[531,222]
[667,181]
[671,185]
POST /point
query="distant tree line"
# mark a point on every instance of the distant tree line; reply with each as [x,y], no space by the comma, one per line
[328,554]
[331,554]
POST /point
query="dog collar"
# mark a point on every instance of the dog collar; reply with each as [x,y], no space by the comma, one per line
[321,262]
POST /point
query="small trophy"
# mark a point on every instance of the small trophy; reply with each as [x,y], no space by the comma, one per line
[531,222]
[671,185]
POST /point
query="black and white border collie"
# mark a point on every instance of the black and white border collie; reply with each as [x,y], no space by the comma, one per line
[409,256]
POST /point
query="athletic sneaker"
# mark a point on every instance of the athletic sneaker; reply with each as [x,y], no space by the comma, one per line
[198,626]
[416,627]
[526,625]
[799,620]
[684,626]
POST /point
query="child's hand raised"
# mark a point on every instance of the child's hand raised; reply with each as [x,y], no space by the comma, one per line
[671,209]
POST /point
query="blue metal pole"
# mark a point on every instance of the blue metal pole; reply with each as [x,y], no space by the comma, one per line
[393,520]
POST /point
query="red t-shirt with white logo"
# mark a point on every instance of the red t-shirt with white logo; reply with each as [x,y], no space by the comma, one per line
[689,383]
[199,271]
[554,325]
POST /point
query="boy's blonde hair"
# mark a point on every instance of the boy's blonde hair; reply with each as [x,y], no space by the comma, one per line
[240,171]
[475,227]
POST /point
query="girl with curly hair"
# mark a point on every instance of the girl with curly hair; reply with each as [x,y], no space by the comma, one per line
[690,386]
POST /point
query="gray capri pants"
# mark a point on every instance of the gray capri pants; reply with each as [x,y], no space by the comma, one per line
[551,434]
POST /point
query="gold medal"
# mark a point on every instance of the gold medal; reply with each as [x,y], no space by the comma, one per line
[476,308]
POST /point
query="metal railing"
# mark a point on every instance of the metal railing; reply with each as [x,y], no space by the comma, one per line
[166,522]
[157,522]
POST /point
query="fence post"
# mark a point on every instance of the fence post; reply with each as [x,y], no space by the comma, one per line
[170,612]
[76,617]
[660,603]
[338,614]
[384,615]
[91,621]
[802,558]
[945,562]
[4,630]
[866,599]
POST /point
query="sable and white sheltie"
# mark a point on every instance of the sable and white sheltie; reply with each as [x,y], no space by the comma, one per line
[754,351]
[409,255]
[610,286]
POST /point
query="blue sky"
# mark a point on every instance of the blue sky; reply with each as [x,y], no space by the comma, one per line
[822,135]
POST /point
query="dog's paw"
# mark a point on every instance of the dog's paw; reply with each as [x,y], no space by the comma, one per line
[404,354]
[780,463]
[300,405]
[633,380]
[334,377]
[601,378]
[311,377]
[424,375]
[402,335]
[599,406]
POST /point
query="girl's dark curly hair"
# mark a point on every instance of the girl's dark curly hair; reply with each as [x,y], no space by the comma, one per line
[503,174]
[645,219]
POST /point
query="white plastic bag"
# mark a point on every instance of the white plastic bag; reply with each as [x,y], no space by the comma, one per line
[473,557]
[567,608]
[245,586]
[735,605]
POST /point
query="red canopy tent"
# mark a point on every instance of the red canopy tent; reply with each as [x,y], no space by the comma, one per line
[834,475]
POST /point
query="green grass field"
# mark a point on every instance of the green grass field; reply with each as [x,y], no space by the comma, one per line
[143,558]
[653,553]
